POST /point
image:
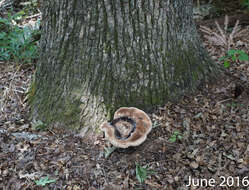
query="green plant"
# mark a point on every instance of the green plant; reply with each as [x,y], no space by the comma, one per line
[245,3]
[142,173]
[44,181]
[176,135]
[16,43]
[233,55]
[39,125]
[31,7]
[234,105]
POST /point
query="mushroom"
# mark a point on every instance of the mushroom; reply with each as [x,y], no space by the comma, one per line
[129,127]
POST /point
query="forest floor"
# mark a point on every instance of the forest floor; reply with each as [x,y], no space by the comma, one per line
[203,136]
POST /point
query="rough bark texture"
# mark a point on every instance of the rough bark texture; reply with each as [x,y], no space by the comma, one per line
[98,55]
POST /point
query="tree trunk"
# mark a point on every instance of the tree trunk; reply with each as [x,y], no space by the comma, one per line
[98,55]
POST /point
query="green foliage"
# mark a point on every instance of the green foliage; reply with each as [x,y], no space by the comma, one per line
[245,3]
[233,55]
[16,43]
[234,105]
[176,135]
[44,181]
[31,7]
[39,125]
[142,173]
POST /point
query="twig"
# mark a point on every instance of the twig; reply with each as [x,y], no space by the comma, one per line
[224,100]
[34,16]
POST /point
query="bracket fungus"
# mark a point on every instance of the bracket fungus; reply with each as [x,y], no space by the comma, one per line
[129,127]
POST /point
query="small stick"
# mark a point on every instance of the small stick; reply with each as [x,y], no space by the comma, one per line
[225,100]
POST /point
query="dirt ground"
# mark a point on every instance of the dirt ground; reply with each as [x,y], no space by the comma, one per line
[212,122]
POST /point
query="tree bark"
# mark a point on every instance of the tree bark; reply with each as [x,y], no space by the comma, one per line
[99,55]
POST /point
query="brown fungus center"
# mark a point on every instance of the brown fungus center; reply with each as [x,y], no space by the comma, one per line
[123,127]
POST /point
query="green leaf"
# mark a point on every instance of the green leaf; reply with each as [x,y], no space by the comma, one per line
[232,52]
[4,21]
[16,43]
[3,35]
[39,125]
[176,135]
[245,3]
[243,57]
[222,58]
[43,181]
[18,15]
[141,173]
[226,64]
[172,139]
[234,58]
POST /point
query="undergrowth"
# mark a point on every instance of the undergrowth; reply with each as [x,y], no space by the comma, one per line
[17,43]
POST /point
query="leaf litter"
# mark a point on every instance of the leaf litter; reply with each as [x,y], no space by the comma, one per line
[214,140]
